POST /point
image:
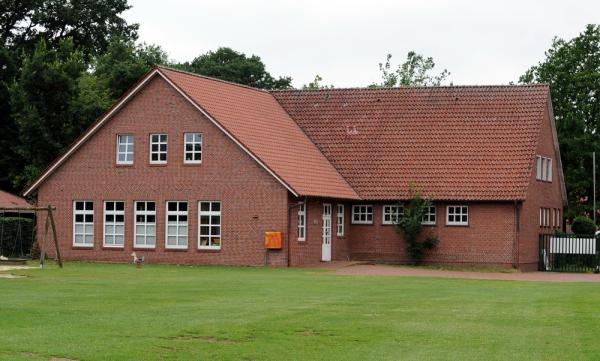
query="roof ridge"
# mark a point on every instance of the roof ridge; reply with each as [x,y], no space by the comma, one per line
[419,87]
[211,78]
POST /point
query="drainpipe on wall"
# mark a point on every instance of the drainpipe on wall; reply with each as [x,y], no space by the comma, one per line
[517,206]
[289,225]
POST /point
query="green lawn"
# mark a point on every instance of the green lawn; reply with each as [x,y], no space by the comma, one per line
[117,312]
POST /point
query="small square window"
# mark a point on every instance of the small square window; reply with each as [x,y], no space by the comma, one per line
[457,215]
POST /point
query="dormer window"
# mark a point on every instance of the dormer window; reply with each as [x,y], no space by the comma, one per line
[544,169]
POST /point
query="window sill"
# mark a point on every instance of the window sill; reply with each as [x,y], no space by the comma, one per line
[362,224]
[174,249]
[124,165]
[192,164]
[209,249]
[141,248]
[79,246]
[457,225]
[115,248]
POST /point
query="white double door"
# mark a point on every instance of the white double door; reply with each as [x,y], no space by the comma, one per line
[326,247]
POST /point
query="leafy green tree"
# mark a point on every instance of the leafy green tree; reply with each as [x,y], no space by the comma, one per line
[415,71]
[42,101]
[125,62]
[228,64]
[316,84]
[572,69]
[410,225]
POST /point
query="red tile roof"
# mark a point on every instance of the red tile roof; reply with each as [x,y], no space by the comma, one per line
[454,143]
[257,121]
[8,200]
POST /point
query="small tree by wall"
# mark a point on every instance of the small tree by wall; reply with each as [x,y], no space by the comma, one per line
[410,226]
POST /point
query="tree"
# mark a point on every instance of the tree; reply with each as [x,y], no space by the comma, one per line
[415,71]
[230,65]
[572,69]
[125,62]
[410,225]
[316,84]
[41,101]
[90,25]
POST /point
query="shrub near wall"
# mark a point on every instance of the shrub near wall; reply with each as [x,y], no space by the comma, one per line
[15,242]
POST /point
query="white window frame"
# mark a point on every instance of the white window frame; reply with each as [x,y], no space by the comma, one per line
[144,224]
[177,225]
[193,151]
[361,210]
[543,169]
[159,152]
[301,227]
[114,212]
[129,148]
[388,210]
[428,213]
[544,217]
[340,219]
[84,212]
[210,214]
[454,208]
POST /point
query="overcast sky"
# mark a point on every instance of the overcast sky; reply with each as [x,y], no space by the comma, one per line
[479,42]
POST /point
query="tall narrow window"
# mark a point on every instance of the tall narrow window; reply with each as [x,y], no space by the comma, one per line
[177,225]
[391,213]
[544,169]
[124,149]
[302,222]
[192,148]
[457,215]
[114,224]
[145,225]
[158,148]
[340,220]
[209,220]
[429,218]
[83,223]
[362,214]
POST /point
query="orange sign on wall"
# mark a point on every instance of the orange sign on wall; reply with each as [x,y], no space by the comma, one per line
[273,240]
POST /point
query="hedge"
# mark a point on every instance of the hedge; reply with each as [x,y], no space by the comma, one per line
[11,243]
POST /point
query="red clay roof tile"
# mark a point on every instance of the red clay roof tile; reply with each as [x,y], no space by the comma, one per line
[454,143]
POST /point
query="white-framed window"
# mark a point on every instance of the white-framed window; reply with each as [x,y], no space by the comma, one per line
[557,219]
[177,225]
[391,213]
[114,223]
[302,221]
[429,217]
[340,220]
[457,215]
[192,148]
[158,148]
[544,217]
[209,221]
[83,223]
[544,169]
[145,224]
[362,214]
[124,149]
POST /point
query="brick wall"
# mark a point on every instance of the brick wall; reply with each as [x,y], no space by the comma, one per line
[252,200]
[540,194]
[488,239]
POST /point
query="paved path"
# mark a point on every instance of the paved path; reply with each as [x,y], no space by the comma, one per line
[355,269]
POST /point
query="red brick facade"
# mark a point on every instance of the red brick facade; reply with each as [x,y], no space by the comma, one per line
[502,233]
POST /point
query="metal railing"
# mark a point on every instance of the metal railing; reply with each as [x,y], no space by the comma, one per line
[569,253]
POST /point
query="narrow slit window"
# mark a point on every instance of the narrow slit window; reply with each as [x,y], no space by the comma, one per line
[302,222]
[340,220]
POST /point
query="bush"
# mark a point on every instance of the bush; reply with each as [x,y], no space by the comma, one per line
[583,225]
[15,242]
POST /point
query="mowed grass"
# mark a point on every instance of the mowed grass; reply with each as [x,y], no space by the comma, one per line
[117,312]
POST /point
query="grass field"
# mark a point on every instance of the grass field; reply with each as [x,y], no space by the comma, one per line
[117,312]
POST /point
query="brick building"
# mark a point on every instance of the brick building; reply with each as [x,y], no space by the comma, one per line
[189,169]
